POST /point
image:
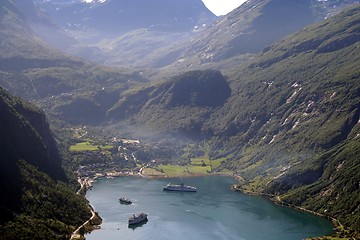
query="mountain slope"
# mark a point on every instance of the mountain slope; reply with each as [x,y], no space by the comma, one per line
[165,106]
[17,38]
[113,32]
[248,29]
[108,19]
[296,115]
[22,50]
[287,78]
[286,121]
[33,70]
[290,120]
[336,192]
[44,26]
[36,203]
[12,135]
[163,33]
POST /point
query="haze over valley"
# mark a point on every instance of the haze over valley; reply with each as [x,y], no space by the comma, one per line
[268,93]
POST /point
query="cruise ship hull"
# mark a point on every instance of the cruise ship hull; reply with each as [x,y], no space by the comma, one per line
[179,188]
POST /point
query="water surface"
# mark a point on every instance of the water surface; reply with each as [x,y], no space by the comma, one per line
[213,212]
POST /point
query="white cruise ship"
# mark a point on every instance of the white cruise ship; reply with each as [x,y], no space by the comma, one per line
[179,188]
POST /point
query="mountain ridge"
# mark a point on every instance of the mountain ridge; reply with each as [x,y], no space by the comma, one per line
[166,15]
[248,29]
[198,92]
[291,107]
[285,119]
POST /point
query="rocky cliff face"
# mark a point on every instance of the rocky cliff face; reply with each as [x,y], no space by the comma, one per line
[36,201]
[25,135]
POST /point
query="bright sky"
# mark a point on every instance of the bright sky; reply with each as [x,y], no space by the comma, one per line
[218,7]
[222,7]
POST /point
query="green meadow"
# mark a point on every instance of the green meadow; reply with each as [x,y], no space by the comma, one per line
[198,166]
[88,146]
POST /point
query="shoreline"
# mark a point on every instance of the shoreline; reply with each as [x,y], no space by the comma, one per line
[338,227]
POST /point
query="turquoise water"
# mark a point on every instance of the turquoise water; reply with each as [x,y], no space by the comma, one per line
[213,212]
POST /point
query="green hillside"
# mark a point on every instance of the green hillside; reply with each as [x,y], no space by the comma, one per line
[179,105]
[291,116]
[37,202]
[286,119]
[293,124]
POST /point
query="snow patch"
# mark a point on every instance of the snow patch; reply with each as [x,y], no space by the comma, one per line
[338,167]
[296,124]
[273,139]
[298,88]
[295,85]
[357,136]
[268,83]
[293,95]
[91,1]
[333,95]
[285,122]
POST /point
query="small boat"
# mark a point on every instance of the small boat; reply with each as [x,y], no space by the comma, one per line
[138,218]
[125,200]
[179,188]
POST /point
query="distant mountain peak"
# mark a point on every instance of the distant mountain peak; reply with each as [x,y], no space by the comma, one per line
[111,18]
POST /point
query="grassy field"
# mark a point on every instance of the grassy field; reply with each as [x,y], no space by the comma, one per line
[177,171]
[88,146]
[198,166]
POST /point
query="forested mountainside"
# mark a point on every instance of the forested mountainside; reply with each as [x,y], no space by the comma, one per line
[286,120]
[295,110]
[36,201]
[178,105]
[282,68]
[291,120]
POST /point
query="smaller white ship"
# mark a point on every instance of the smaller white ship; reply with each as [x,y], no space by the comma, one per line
[138,218]
[179,188]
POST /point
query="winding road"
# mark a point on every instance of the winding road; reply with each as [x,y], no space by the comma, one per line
[76,234]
